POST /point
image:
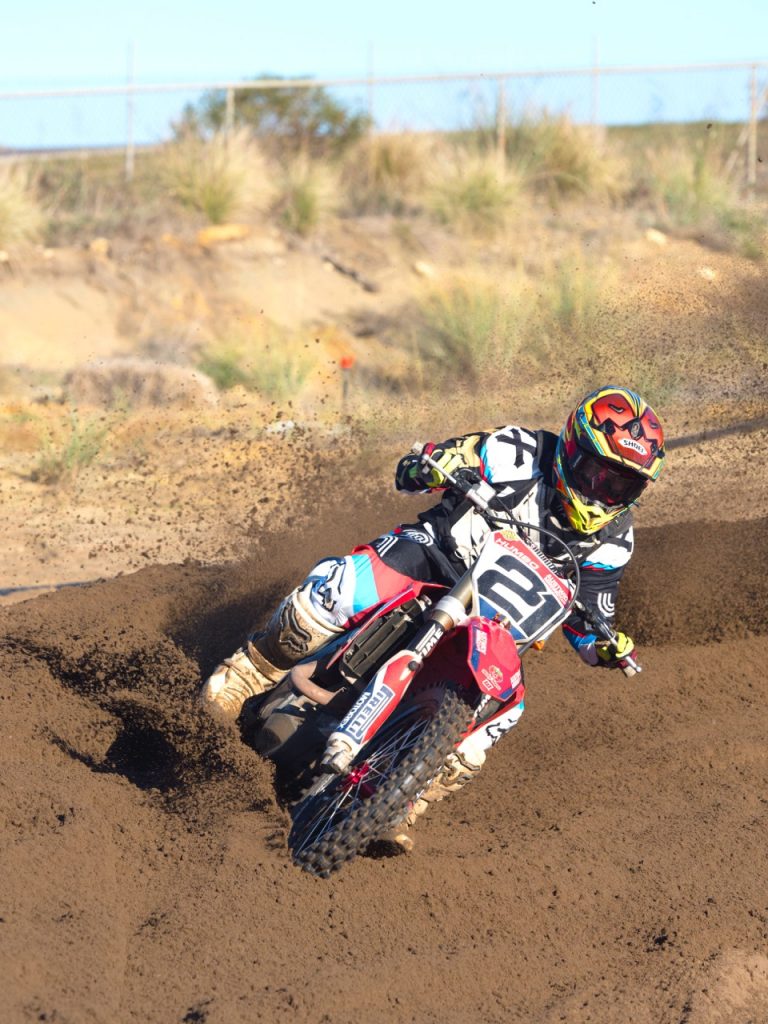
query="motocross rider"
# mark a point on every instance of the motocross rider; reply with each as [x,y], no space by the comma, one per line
[581,485]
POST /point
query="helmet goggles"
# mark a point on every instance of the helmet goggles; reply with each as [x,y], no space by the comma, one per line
[606,482]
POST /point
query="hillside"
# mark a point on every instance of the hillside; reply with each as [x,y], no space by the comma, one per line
[253,389]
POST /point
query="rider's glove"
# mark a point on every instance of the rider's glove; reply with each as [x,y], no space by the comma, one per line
[611,654]
[448,461]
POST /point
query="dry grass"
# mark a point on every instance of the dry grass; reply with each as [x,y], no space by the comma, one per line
[261,358]
[461,328]
[307,194]
[450,177]
[562,159]
[21,215]
[471,193]
[223,176]
[387,173]
[557,329]
[687,186]
[691,191]
[63,457]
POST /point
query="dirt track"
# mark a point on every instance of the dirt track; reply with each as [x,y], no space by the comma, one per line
[608,866]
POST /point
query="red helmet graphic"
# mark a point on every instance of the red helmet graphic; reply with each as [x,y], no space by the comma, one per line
[611,448]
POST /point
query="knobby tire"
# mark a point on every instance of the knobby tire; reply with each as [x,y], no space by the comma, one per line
[359,822]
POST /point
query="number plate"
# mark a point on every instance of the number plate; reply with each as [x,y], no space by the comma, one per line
[510,579]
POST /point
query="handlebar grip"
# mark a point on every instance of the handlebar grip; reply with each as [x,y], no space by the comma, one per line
[630,667]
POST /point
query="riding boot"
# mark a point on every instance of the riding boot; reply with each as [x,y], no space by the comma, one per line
[460,768]
[294,632]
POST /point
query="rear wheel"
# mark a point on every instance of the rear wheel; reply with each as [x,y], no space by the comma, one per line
[387,776]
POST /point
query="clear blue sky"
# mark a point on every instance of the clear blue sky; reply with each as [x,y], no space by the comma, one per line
[67,42]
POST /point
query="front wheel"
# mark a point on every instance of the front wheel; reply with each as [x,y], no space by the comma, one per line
[385,779]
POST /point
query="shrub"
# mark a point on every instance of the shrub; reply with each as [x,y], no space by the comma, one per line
[692,191]
[86,196]
[21,216]
[562,159]
[575,299]
[461,329]
[514,328]
[472,193]
[222,176]
[686,187]
[387,173]
[266,361]
[61,463]
[306,194]
[287,120]
[572,318]
[746,227]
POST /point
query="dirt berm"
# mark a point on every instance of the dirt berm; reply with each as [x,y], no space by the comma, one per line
[608,866]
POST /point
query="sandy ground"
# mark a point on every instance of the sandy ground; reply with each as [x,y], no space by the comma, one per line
[607,867]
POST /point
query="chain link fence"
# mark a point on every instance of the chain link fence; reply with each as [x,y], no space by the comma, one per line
[136,117]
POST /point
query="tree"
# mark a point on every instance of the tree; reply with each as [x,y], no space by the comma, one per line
[286,119]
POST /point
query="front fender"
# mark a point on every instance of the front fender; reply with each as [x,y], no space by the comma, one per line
[493,658]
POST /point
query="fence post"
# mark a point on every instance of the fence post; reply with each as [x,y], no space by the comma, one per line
[752,140]
[501,123]
[229,112]
[130,144]
[370,88]
[595,114]
[130,141]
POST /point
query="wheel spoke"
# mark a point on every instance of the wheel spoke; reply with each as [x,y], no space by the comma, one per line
[379,767]
[324,817]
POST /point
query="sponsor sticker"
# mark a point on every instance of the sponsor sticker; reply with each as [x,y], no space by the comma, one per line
[628,442]
[493,676]
[506,539]
[430,641]
[356,725]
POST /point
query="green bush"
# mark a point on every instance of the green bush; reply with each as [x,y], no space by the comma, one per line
[287,121]
[61,463]
[267,362]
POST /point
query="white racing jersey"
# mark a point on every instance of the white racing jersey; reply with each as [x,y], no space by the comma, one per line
[519,463]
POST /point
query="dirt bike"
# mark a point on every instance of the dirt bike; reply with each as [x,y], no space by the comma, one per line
[359,732]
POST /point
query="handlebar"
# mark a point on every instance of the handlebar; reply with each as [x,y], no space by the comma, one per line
[480,493]
[629,665]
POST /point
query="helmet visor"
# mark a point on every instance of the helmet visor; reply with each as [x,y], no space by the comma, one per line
[599,480]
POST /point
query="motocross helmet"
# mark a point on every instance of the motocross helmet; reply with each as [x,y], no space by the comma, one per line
[610,449]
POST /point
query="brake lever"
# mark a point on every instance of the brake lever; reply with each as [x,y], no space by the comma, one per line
[479,492]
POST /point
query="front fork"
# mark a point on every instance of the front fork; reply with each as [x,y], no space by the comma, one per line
[390,684]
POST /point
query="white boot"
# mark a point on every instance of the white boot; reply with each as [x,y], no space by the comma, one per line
[461,767]
[293,633]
